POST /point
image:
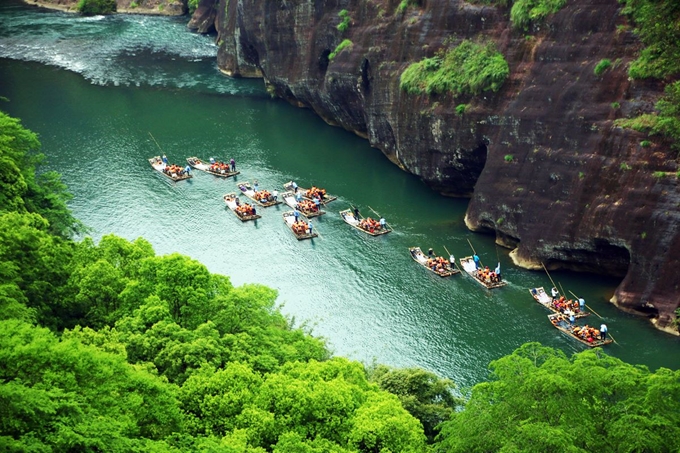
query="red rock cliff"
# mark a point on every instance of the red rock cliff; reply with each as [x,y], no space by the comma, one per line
[545,168]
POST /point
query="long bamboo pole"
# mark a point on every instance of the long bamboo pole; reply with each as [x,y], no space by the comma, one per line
[379,216]
[546,271]
[154,139]
[454,261]
[589,308]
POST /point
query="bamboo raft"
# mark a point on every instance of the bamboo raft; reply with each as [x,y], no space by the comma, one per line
[326,198]
[420,258]
[350,219]
[563,326]
[289,199]
[198,164]
[289,219]
[158,165]
[544,299]
[468,265]
[232,201]
[248,190]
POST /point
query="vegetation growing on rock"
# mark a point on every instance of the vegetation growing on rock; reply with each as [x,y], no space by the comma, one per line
[470,68]
[526,12]
[94,7]
[345,44]
[657,26]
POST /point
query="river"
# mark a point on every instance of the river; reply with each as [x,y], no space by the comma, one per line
[96,89]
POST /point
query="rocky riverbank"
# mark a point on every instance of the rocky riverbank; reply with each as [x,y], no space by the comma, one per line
[151,7]
[546,170]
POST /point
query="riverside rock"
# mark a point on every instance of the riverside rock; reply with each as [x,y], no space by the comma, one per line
[544,166]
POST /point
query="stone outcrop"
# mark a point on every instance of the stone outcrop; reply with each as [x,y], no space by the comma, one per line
[544,167]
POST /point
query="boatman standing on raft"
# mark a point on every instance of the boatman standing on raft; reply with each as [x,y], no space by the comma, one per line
[475,258]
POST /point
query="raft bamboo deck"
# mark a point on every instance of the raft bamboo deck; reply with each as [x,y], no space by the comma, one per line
[349,218]
[544,299]
[468,265]
[420,258]
[564,327]
[158,165]
[248,190]
[232,201]
[198,164]
[289,199]
[326,199]
[289,219]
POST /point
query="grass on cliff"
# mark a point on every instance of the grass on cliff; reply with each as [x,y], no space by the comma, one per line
[346,43]
[665,123]
[469,68]
[657,26]
[524,12]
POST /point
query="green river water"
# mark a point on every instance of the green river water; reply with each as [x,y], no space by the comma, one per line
[94,88]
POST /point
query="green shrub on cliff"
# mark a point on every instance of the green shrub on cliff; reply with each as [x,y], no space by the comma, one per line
[346,43]
[602,66]
[344,24]
[469,68]
[94,7]
[665,123]
[657,26]
[524,12]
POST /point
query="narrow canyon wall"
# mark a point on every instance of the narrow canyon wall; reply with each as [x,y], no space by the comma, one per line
[546,170]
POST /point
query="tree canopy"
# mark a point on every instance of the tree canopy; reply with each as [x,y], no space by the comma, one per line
[109,347]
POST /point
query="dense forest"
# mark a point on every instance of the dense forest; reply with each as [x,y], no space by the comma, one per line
[108,347]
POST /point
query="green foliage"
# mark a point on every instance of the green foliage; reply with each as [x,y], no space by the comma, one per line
[345,20]
[645,143]
[657,27]
[525,12]
[134,5]
[21,190]
[666,123]
[500,221]
[345,44]
[192,5]
[469,68]
[427,397]
[643,235]
[659,174]
[66,396]
[95,7]
[581,175]
[460,109]
[602,66]
[539,400]
[625,167]
[509,158]
[615,105]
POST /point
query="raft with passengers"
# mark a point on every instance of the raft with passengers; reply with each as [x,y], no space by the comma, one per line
[172,171]
[589,336]
[244,211]
[300,228]
[367,225]
[486,277]
[310,194]
[558,305]
[307,208]
[263,197]
[217,168]
[433,263]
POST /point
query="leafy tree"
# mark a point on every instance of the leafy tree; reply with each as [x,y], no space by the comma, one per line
[66,396]
[94,7]
[21,190]
[540,400]
[34,266]
[427,397]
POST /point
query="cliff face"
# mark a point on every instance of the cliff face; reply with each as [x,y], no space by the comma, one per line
[545,169]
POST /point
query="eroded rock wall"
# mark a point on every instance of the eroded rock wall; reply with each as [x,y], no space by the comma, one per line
[544,167]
